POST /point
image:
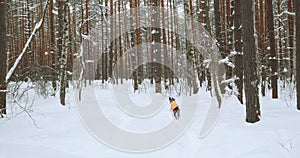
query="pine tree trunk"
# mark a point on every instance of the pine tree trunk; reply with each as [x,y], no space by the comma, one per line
[238,48]
[121,56]
[279,33]
[229,34]
[52,45]
[138,40]
[70,48]
[23,37]
[194,67]
[273,62]
[251,79]
[291,37]
[42,39]
[262,48]
[164,45]
[156,38]
[172,41]
[27,34]
[63,48]
[297,4]
[111,41]
[218,25]
[3,57]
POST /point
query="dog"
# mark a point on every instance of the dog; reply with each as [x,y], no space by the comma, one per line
[175,108]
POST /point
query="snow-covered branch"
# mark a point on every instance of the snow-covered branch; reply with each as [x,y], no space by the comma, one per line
[36,28]
[285,12]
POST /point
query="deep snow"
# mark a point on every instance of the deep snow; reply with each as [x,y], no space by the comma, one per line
[60,131]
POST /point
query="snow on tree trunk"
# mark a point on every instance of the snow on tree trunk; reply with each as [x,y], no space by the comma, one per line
[62,47]
[251,79]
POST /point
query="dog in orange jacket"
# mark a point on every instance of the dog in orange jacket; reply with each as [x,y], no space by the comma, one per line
[174,108]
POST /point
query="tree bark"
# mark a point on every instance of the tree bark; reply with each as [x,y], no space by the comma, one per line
[291,37]
[156,38]
[262,48]
[62,48]
[251,79]
[3,57]
[273,58]
[218,25]
[297,4]
[52,45]
[238,48]
[279,33]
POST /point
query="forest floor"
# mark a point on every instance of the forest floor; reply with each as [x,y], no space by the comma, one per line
[50,130]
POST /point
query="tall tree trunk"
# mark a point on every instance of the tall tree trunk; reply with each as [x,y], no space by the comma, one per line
[121,58]
[156,39]
[70,48]
[220,29]
[205,20]
[297,4]
[87,32]
[279,33]
[188,46]
[111,44]
[62,48]
[28,30]
[238,48]
[218,25]
[171,40]
[103,53]
[133,43]
[116,67]
[138,41]
[291,37]
[251,78]
[229,34]
[204,14]
[42,39]
[195,69]
[262,47]
[164,41]
[3,57]
[273,62]
[23,40]
[52,45]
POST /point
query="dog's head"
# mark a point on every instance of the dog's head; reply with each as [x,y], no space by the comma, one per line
[171,99]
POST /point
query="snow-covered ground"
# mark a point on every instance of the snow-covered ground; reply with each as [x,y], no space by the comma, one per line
[60,132]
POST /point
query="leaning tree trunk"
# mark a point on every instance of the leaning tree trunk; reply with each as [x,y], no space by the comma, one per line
[251,78]
[3,57]
[297,4]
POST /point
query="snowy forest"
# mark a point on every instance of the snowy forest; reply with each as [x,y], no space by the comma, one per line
[245,53]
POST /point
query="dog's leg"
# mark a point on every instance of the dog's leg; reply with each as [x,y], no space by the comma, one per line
[178,114]
[175,114]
